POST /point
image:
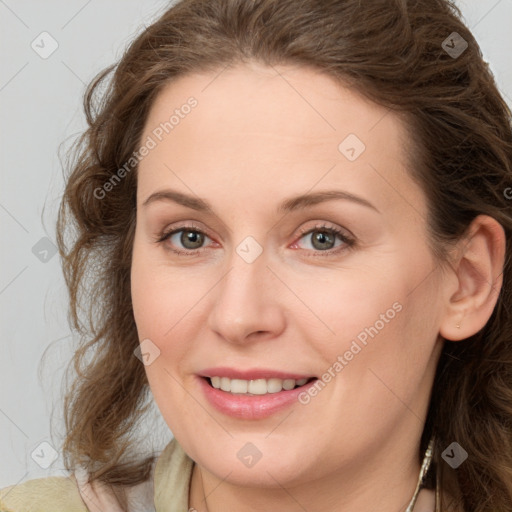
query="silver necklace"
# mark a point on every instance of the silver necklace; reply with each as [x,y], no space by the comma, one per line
[423,472]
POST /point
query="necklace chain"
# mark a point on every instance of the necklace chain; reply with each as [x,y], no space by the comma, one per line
[425,465]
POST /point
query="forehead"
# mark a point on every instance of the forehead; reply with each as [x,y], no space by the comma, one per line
[279,102]
[255,125]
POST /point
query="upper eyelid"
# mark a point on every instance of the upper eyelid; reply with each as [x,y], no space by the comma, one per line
[328,227]
[190,226]
[302,231]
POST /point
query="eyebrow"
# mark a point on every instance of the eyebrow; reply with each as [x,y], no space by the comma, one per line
[290,205]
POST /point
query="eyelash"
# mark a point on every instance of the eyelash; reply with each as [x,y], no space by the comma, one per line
[347,240]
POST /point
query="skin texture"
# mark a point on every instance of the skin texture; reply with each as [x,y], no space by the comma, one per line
[258,136]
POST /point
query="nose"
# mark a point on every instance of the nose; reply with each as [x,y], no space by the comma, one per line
[246,304]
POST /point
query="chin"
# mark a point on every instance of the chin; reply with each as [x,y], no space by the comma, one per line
[248,466]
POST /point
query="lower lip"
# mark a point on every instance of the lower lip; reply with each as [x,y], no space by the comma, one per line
[251,407]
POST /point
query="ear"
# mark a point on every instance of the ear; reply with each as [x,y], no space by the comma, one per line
[478,271]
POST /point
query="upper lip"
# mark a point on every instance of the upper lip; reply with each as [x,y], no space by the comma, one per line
[252,374]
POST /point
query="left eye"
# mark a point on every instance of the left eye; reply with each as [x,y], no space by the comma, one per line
[324,239]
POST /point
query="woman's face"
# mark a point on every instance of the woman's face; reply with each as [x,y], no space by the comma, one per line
[299,251]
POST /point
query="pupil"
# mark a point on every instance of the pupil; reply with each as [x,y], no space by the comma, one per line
[191,239]
[322,237]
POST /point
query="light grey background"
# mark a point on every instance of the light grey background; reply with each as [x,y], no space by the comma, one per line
[40,105]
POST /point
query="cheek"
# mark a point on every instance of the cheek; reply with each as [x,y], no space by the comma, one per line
[169,307]
[382,319]
[388,343]
[161,296]
[344,307]
[164,314]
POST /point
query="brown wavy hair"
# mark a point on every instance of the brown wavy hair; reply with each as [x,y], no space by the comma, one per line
[461,155]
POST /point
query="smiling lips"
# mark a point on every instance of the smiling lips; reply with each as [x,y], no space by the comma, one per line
[254,382]
[255,387]
[252,394]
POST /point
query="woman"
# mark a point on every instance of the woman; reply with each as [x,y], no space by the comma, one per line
[297,219]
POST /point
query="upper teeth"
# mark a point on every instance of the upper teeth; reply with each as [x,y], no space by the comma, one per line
[255,387]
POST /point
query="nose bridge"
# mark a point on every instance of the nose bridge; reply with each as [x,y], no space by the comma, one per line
[244,302]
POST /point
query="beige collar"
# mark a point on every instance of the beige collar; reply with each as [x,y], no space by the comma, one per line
[173,472]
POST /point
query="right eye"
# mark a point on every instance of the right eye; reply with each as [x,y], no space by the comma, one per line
[185,240]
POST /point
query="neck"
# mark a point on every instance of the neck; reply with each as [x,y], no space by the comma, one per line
[389,485]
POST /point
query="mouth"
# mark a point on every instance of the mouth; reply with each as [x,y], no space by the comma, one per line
[252,394]
[256,387]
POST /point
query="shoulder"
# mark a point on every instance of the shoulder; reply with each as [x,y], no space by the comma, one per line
[51,494]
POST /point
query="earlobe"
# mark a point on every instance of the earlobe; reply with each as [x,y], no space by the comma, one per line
[479,272]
